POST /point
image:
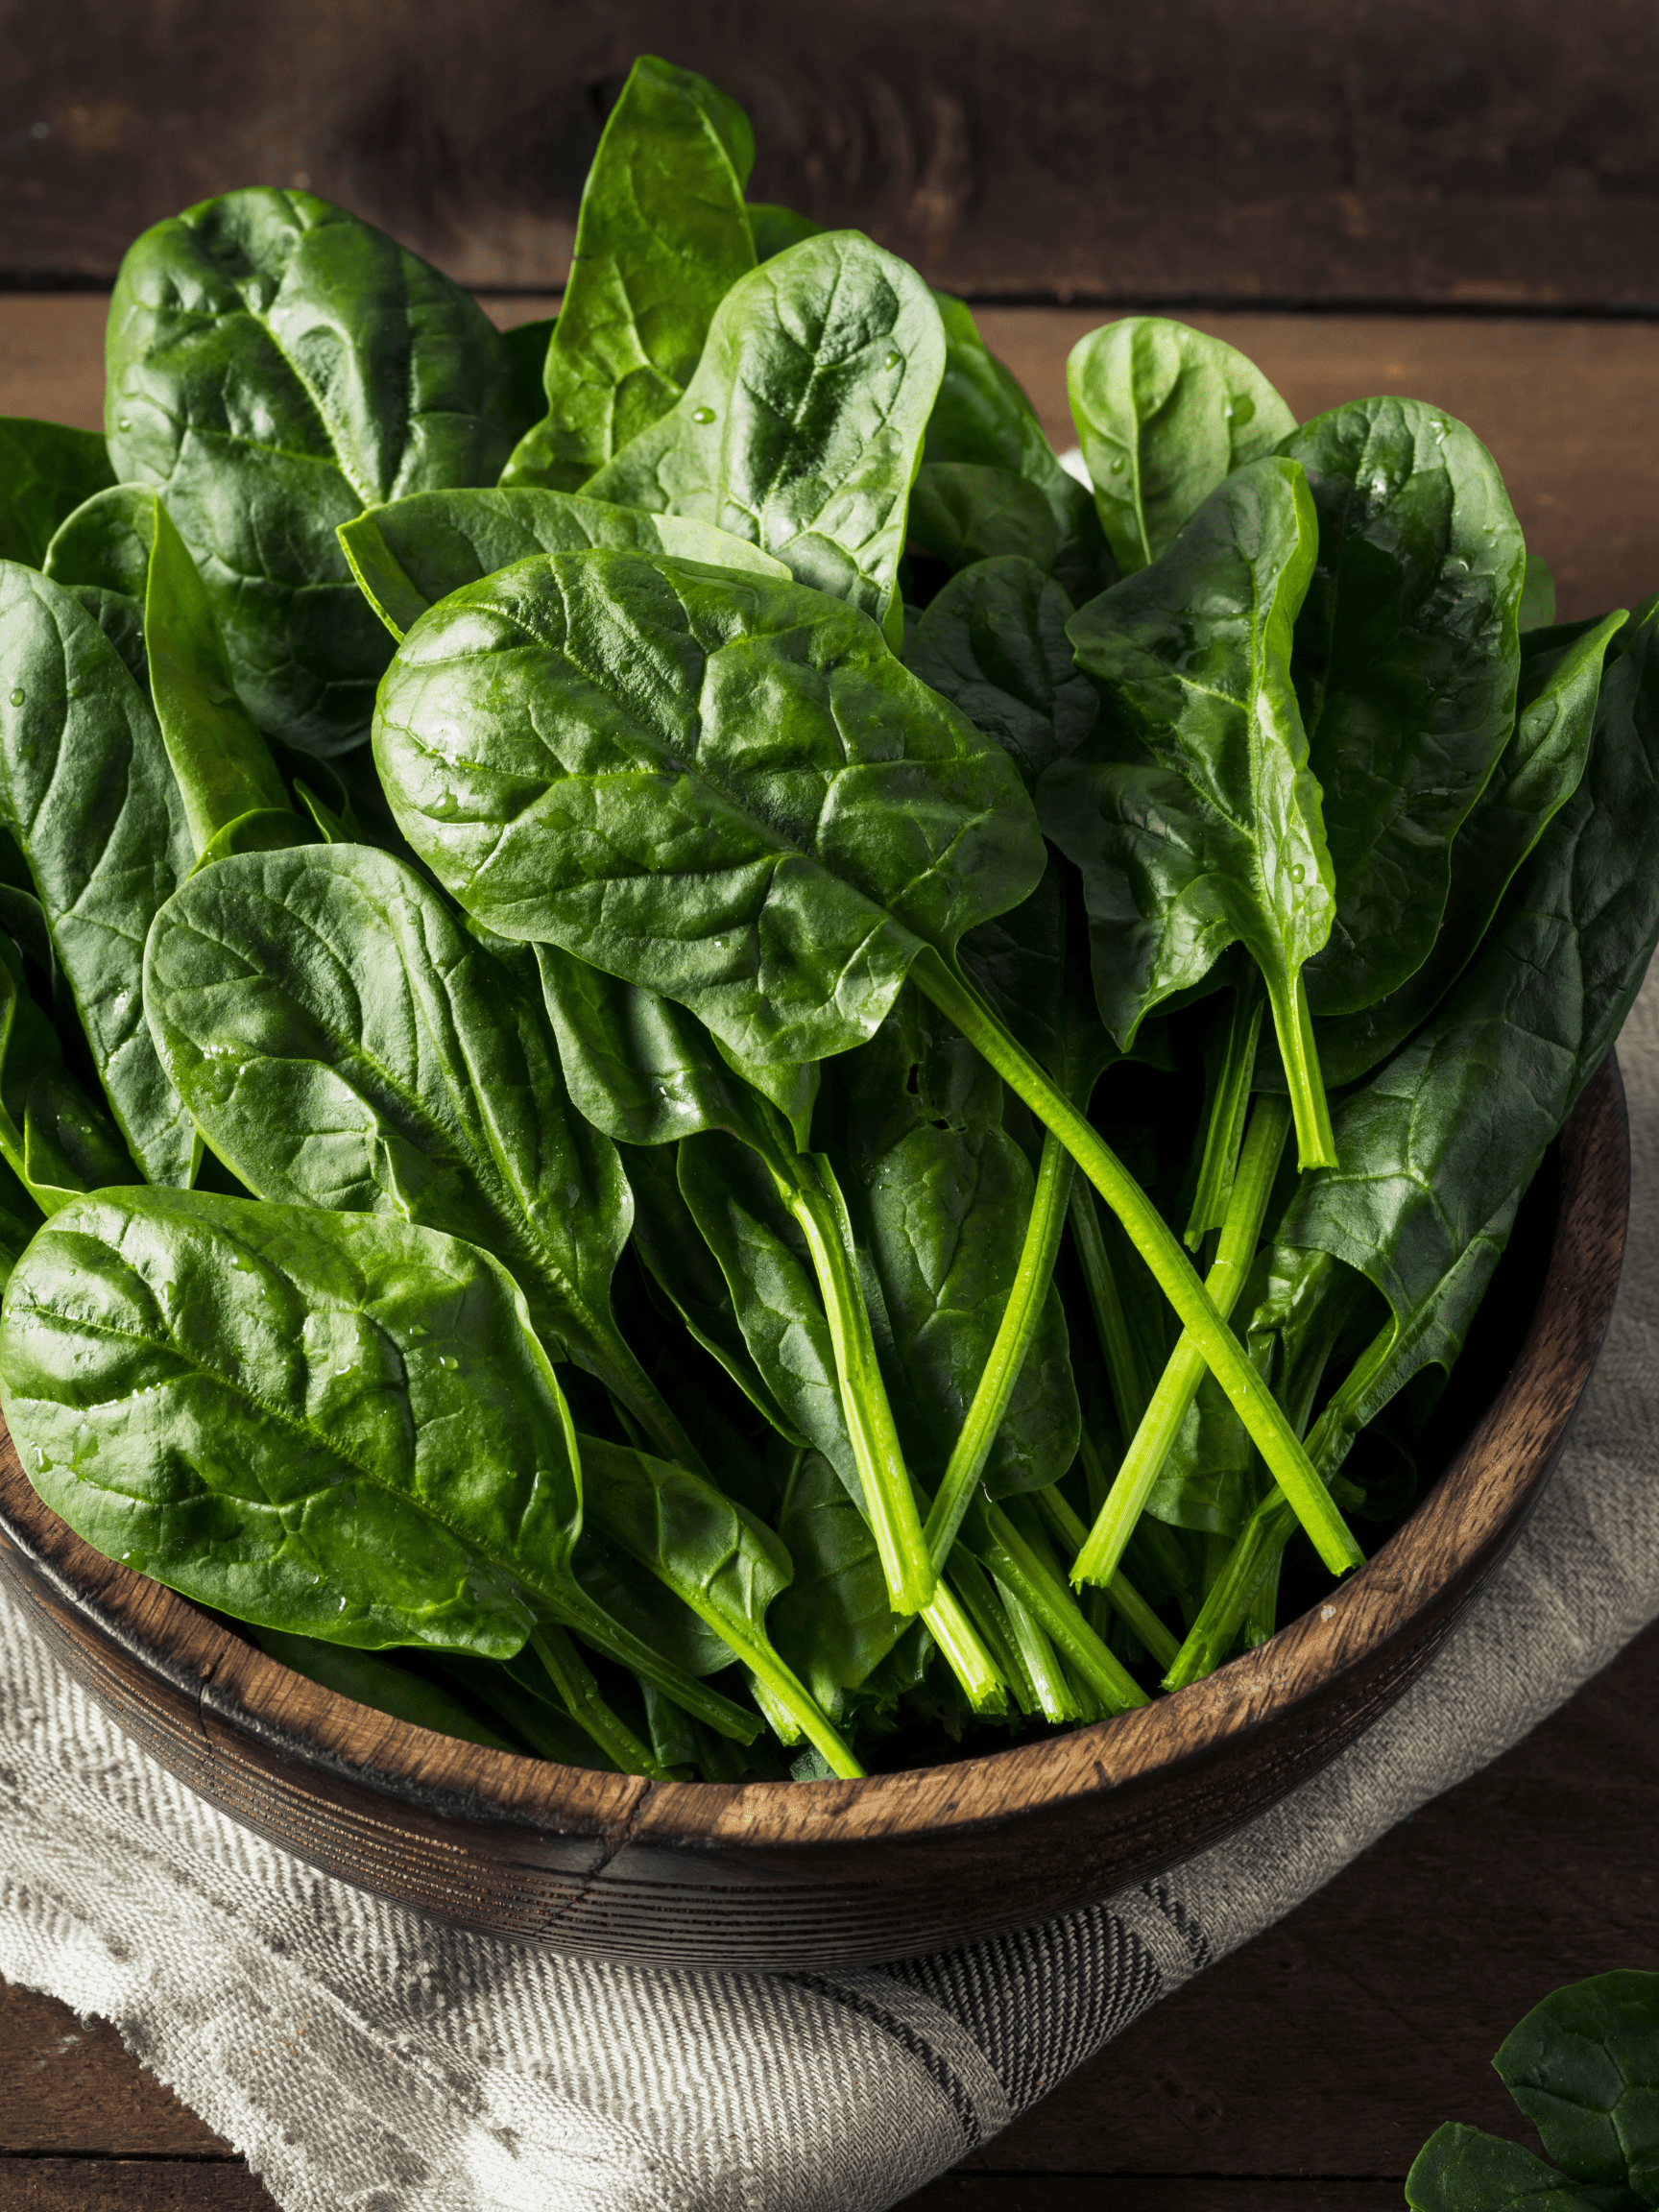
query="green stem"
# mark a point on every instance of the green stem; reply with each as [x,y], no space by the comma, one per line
[1261,1543]
[1001,1371]
[1178,1384]
[575,1609]
[984,1681]
[1125,1369]
[1055,1700]
[788,1692]
[1261,1614]
[1293,1026]
[1127,1601]
[1160,1249]
[581,1697]
[990,1619]
[1225,1126]
[1003,1552]
[810,1191]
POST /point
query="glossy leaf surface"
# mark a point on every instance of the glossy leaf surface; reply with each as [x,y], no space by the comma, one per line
[1537,773]
[86,791]
[343,1043]
[803,425]
[993,644]
[962,514]
[409,555]
[1462,2169]
[834,1623]
[662,235]
[726,790]
[46,470]
[981,416]
[334,1424]
[1191,808]
[274,367]
[1584,2068]
[1163,414]
[1407,659]
[56,1141]
[1439,1145]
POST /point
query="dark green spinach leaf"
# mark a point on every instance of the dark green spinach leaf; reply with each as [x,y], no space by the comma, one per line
[663,234]
[275,366]
[46,470]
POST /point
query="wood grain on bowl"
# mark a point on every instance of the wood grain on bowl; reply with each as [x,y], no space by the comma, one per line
[796,1875]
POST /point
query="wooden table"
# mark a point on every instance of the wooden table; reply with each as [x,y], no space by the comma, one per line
[1303,2074]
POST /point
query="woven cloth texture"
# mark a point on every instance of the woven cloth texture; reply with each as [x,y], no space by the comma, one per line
[367,2057]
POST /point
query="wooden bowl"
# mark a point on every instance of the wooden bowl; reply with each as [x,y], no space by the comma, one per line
[793,1875]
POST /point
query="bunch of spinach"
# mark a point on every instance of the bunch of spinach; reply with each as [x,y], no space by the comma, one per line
[649,1031]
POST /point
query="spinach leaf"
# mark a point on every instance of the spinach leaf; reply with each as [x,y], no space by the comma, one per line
[982,418]
[123,544]
[939,1195]
[1537,596]
[720,1561]
[379,1684]
[342,1043]
[99,553]
[1191,808]
[332,1424]
[1584,2068]
[1438,1147]
[1462,2169]
[1163,414]
[46,470]
[1537,773]
[1406,664]
[961,513]
[832,1623]
[526,344]
[661,236]
[53,1138]
[86,791]
[339,1425]
[726,790]
[993,644]
[274,367]
[414,552]
[646,1071]
[801,428]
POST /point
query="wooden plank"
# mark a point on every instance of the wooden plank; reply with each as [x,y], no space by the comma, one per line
[130,2185]
[1566,407]
[72,2086]
[1500,151]
[1136,2192]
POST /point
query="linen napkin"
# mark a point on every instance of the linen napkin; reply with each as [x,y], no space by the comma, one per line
[365,2057]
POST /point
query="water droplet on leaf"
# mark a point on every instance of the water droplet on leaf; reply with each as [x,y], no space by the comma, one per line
[702,414]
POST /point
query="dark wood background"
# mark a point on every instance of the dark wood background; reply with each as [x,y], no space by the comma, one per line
[1491,153]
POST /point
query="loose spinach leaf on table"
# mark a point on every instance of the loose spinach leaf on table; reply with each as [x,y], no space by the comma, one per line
[414,552]
[1163,414]
[662,235]
[274,367]
[343,1043]
[801,428]
[1406,664]
[46,470]
[1189,808]
[1583,2066]
[725,789]
[86,791]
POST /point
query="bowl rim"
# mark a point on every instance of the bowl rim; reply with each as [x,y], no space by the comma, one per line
[1463,1526]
